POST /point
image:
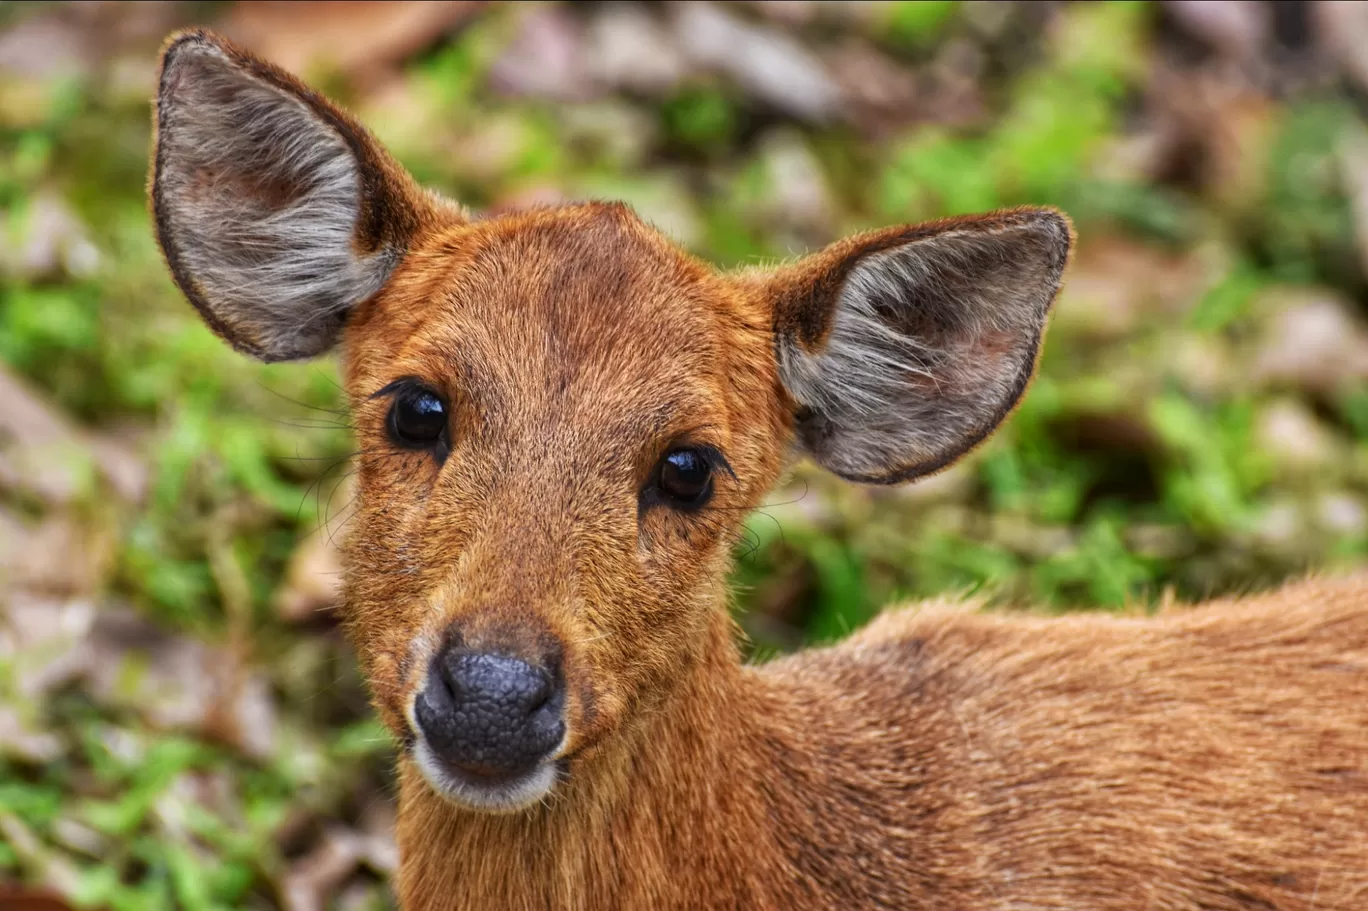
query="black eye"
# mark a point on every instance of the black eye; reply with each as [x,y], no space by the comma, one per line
[418,418]
[685,478]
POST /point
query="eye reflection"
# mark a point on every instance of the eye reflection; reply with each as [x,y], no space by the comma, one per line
[417,418]
[684,478]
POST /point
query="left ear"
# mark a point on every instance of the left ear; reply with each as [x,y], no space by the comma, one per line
[902,349]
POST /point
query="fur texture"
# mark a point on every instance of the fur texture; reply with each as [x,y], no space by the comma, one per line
[1213,760]
[1207,760]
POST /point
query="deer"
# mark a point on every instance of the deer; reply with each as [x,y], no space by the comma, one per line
[562,420]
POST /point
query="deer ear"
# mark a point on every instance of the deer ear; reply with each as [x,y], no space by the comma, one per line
[902,349]
[277,212]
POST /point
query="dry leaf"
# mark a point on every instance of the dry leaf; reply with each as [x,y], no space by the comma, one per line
[364,40]
[765,62]
[546,59]
[628,48]
[1238,28]
[1291,434]
[20,740]
[30,900]
[44,455]
[319,875]
[52,242]
[1313,341]
[179,683]
[1343,29]
[313,580]
[1114,282]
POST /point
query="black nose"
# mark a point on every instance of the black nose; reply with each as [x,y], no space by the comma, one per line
[489,715]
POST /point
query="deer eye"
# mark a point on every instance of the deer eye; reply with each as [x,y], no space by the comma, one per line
[684,478]
[417,418]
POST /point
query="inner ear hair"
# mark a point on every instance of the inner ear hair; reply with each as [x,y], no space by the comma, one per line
[904,348]
[276,211]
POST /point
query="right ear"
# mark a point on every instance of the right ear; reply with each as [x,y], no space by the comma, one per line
[276,211]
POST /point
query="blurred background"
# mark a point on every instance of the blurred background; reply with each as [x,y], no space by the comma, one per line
[181,725]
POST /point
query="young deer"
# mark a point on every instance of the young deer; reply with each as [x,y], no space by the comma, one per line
[563,420]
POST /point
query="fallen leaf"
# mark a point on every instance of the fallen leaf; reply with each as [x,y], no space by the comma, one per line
[1342,26]
[46,639]
[798,197]
[173,682]
[319,875]
[178,683]
[1313,341]
[52,241]
[1115,282]
[627,47]
[313,579]
[1288,432]
[1238,28]
[30,900]
[23,741]
[1342,513]
[49,867]
[546,58]
[61,556]
[43,454]
[363,39]
[765,62]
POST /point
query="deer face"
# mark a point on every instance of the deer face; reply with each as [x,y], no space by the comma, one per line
[563,419]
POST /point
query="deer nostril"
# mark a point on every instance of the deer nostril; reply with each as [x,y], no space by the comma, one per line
[540,693]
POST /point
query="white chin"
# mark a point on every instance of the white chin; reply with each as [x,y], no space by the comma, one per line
[491,796]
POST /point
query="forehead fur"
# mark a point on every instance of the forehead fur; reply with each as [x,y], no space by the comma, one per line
[581,303]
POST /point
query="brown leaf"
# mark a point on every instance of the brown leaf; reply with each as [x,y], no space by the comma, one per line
[30,900]
[60,556]
[1218,130]
[1343,30]
[318,876]
[546,59]
[1114,282]
[23,741]
[1342,514]
[1287,431]
[46,639]
[52,241]
[628,48]
[882,94]
[179,683]
[49,867]
[44,455]
[798,198]
[313,580]
[765,62]
[1313,341]
[362,39]
[1238,28]
[124,662]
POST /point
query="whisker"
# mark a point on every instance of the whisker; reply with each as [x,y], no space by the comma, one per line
[306,405]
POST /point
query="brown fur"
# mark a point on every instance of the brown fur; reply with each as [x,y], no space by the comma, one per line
[939,759]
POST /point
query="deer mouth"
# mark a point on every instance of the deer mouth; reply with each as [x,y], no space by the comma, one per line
[488,790]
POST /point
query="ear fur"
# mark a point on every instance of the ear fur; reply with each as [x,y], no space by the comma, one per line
[902,349]
[276,211]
